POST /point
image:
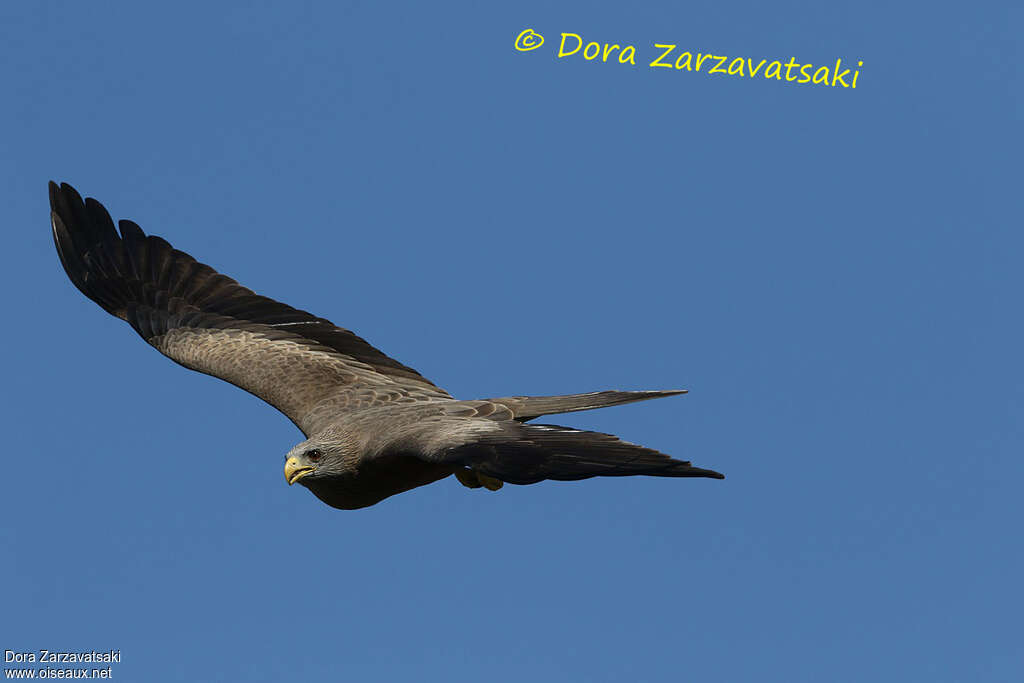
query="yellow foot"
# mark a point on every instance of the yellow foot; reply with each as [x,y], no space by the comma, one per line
[467,478]
[474,480]
[490,483]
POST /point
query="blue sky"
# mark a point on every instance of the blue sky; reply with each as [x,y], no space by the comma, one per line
[833,273]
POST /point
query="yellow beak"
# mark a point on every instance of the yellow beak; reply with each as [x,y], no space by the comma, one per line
[293,471]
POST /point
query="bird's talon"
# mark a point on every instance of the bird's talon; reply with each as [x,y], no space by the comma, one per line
[490,483]
[467,478]
[474,480]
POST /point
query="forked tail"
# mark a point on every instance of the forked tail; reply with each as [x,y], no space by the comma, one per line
[528,407]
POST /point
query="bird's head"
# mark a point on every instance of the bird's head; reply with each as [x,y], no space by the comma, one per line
[321,456]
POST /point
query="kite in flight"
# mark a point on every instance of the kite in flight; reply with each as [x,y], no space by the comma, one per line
[373,426]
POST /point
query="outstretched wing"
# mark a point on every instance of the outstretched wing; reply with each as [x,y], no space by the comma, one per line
[529,453]
[485,436]
[304,366]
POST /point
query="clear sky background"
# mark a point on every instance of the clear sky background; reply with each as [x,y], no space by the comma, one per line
[834,274]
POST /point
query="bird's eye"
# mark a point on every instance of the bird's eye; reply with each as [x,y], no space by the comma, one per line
[313,454]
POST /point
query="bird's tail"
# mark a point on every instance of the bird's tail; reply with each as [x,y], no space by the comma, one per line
[528,407]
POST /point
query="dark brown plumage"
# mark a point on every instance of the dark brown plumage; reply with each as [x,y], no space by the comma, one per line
[374,426]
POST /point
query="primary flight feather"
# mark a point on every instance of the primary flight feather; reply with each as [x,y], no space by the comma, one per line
[374,426]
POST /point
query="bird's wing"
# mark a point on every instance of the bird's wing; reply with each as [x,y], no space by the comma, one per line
[485,436]
[304,366]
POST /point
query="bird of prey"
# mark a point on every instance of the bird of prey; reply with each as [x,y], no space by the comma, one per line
[373,427]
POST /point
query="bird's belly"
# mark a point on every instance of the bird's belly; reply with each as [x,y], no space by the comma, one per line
[375,481]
